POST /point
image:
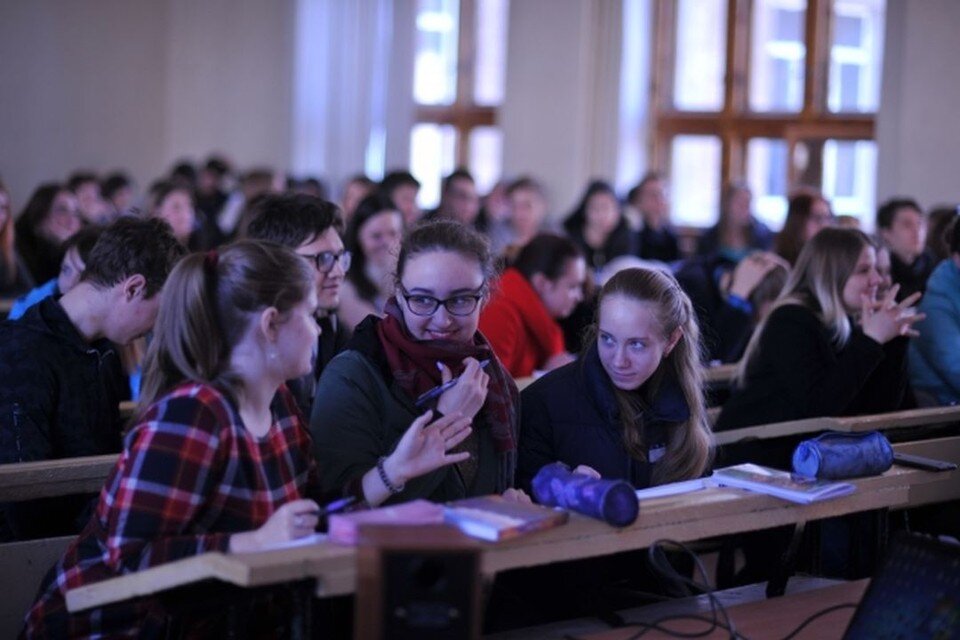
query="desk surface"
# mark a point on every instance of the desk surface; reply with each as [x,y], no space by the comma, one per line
[771,618]
[702,514]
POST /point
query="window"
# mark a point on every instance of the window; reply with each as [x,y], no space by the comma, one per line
[776,93]
[459,74]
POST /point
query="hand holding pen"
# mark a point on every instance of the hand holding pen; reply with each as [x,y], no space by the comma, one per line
[464,394]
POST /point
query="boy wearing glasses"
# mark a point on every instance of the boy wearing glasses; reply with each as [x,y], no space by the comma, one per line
[311,227]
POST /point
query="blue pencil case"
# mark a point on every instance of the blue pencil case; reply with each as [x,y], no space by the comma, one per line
[835,455]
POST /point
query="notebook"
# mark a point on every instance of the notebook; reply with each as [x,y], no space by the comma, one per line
[915,594]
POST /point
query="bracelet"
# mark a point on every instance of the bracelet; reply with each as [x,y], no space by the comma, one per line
[392,488]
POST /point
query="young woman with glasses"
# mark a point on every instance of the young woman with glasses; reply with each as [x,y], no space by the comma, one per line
[368,395]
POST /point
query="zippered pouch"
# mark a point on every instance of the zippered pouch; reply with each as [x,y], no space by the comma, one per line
[835,455]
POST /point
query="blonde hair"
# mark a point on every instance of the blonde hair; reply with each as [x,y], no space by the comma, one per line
[823,267]
[689,450]
[205,311]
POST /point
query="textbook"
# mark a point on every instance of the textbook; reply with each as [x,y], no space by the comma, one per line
[492,518]
[674,488]
[781,484]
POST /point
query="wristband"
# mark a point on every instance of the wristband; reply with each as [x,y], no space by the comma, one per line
[392,488]
[739,303]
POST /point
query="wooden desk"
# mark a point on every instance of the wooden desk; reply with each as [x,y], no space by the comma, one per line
[694,516]
[936,486]
[772,618]
[892,420]
[47,478]
[5,305]
[722,374]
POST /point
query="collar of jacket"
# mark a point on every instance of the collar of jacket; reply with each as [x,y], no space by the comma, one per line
[48,317]
[669,404]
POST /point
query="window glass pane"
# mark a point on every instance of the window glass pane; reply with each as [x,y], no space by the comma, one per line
[695,180]
[777,54]
[486,156]
[700,55]
[491,51]
[856,55]
[435,61]
[767,172]
[850,177]
[432,156]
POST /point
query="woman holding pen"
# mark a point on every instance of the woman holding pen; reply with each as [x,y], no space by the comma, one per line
[368,394]
[219,458]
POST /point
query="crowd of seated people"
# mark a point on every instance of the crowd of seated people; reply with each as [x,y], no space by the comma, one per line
[290,351]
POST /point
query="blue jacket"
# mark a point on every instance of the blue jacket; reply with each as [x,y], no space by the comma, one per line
[935,355]
[571,415]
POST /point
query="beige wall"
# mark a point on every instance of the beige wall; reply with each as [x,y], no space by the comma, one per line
[136,84]
[918,126]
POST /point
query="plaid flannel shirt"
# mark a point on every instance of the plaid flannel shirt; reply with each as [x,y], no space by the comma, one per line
[189,477]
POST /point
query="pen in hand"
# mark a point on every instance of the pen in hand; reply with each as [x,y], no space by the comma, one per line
[437,391]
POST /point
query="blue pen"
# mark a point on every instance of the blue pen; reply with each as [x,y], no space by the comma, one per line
[437,391]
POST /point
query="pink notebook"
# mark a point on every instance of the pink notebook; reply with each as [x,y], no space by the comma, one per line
[344,527]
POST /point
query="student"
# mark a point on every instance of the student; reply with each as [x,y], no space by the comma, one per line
[173,203]
[402,189]
[631,407]
[648,216]
[311,227]
[50,217]
[935,353]
[59,395]
[366,397]
[458,199]
[86,187]
[14,276]
[597,226]
[807,213]
[76,252]
[737,233]
[373,239]
[356,189]
[828,347]
[903,228]
[545,283]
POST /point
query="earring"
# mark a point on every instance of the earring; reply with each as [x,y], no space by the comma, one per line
[272,354]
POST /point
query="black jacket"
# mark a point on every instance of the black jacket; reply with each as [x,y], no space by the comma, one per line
[912,277]
[571,415]
[59,398]
[333,339]
[800,373]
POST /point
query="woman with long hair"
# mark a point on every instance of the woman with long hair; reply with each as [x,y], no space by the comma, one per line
[598,227]
[51,216]
[14,277]
[219,458]
[737,232]
[427,336]
[807,213]
[631,407]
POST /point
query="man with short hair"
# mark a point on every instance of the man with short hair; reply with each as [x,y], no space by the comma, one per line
[60,374]
[648,216]
[903,229]
[458,199]
[311,227]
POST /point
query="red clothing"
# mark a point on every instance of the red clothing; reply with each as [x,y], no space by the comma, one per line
[519,327]
[190,476]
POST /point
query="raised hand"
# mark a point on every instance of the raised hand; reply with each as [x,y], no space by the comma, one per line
[425,446]
[884,320]
[467,396]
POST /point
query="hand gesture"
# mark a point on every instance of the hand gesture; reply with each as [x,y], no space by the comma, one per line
[751,271]
[293,520]
[425,446]
[583,469]
[468,395]
[885,320]
[516,495]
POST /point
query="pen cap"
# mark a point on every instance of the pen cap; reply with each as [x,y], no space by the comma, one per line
[613,501]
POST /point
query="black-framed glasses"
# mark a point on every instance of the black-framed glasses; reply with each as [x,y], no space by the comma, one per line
[461,305]
[325,260]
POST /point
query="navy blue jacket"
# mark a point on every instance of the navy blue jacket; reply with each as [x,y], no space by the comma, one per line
[571,415]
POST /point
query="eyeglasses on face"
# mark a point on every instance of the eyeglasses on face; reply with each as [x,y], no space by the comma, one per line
[325,260]
[461,305]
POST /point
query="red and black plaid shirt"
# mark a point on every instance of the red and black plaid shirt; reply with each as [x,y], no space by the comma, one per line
[189,477]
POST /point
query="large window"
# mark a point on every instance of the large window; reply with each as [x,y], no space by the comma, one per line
[776,93]
[459,73]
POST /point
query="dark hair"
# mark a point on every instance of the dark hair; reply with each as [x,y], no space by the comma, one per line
[577,220]
[184,173]
[888,210]
[359,178]
[204,312]
[940,224]
[160,190]
[78,178]
[790,240]
[292,219]
[446,235]
[955,237]
[217,166]
[524,183]
[38,207]
[547,254]
[84,240]
[458,174]
[113,183]
[131,246]
[372,205]
[650,176]
[396,179]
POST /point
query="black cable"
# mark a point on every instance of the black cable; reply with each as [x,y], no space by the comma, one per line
[818,614]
